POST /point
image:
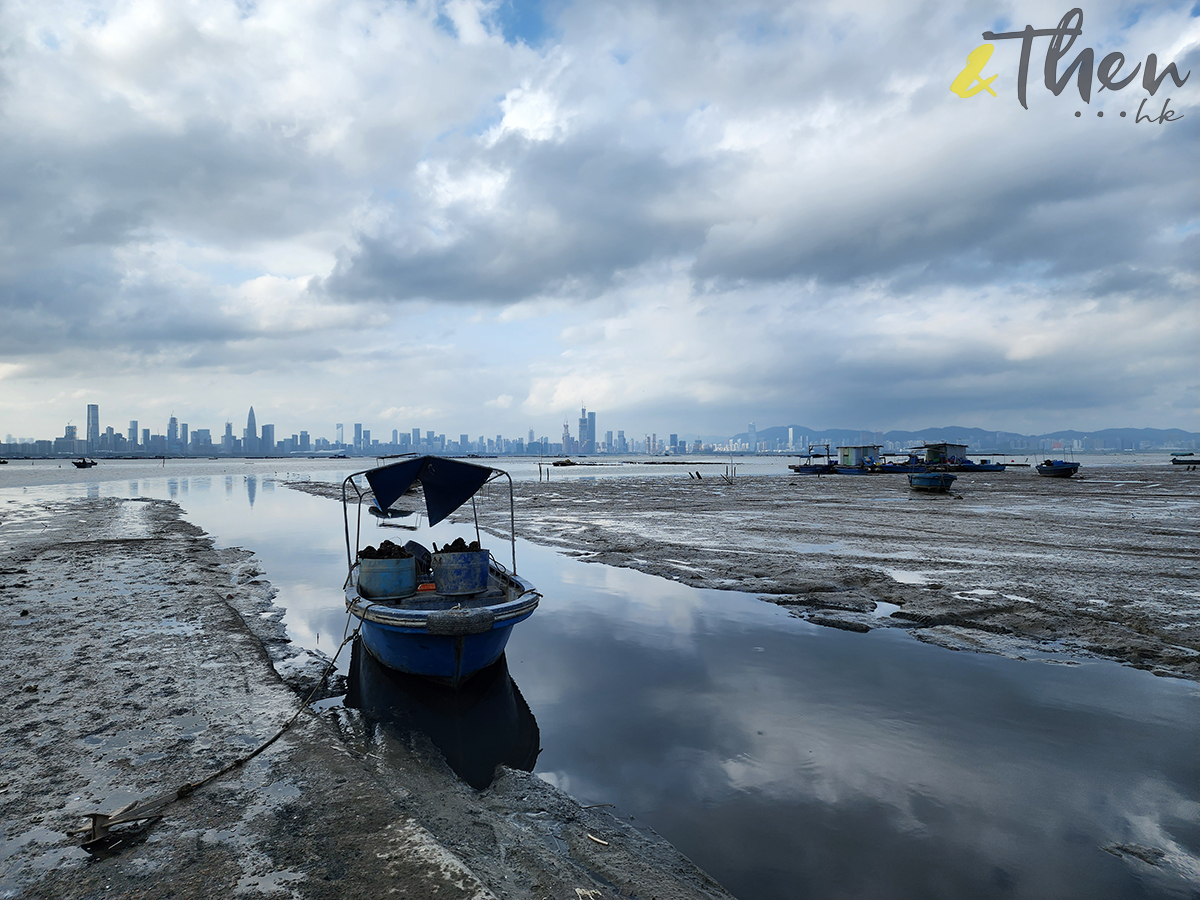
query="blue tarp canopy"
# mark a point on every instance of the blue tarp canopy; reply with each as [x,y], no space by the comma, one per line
[448,483]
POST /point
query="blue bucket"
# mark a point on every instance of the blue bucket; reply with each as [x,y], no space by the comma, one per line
[387,579]
[461,573]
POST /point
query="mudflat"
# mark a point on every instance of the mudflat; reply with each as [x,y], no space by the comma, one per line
[141,658]
[1105,564]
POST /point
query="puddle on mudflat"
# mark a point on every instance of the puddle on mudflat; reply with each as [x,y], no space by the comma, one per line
[904,576]
[786,758]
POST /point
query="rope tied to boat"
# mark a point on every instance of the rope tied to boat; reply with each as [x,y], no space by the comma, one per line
[98,837]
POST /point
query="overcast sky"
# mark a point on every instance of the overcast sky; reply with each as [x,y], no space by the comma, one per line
[479,216]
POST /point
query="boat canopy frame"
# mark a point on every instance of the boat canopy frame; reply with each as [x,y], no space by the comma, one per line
[446,483]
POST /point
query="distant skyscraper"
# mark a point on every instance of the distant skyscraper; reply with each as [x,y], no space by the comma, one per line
[464,443]
[266,439]
[416,438]
[304,444]
[145,438]
[133,434]
[340,438]
[183,436]
[753,440]
[591,435]
[173,433]
[69,433]
[358,442]
[93,426]
[250,438]
[583,428]
[395,436]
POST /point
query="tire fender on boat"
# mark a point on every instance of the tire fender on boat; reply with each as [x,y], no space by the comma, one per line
[460,621]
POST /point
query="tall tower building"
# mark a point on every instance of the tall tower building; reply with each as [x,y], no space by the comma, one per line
[340,438]
[416,438]
[93,427]
[358,436]
[172,434]
[133,434]
[591,435]
[250,438]
[753,440]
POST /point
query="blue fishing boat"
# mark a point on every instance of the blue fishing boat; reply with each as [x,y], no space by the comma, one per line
[1057,468]
[984,465]
[828,467]
[936,482]
[445,616]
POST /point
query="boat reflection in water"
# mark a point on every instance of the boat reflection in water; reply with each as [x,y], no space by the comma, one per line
[483,724]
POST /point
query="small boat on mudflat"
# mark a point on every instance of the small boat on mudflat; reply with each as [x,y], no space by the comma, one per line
[828,467]
[1057,468]
[83,463]
[445,615]
[934,482]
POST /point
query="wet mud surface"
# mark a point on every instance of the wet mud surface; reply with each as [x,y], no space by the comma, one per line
[141,658]
[1106,564]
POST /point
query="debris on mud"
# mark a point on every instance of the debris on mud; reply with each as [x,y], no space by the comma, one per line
[385,550]
[458,545]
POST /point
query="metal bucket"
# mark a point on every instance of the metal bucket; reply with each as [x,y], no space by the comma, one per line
[461,573]
[387,579]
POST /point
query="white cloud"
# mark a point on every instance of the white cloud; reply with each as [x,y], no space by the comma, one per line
[698,211]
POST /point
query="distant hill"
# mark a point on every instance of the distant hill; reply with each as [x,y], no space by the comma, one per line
[981,439]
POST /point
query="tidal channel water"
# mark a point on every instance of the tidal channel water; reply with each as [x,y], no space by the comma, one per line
[786,759]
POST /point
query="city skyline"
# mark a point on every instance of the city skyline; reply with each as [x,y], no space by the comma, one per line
[182,439]
[461,215]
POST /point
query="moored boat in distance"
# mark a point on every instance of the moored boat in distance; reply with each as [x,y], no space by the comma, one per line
[83,463]
[934,482]
[828,467]
[1057,468]
[445,615]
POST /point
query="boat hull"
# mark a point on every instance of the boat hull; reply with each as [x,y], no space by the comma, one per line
[933,482]
[443,638]
[447,659]
[1058,470]
[827,469]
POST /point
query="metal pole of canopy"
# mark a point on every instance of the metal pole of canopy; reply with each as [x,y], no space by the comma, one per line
[512,522]
[346,517]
